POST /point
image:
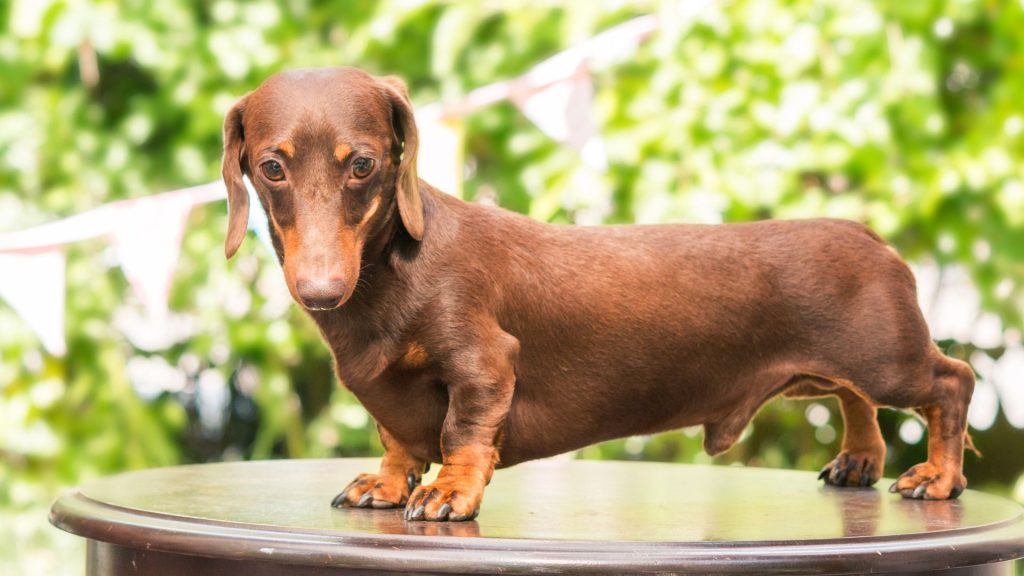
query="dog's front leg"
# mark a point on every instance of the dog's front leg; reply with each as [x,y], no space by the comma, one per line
[481,379]
[400,473]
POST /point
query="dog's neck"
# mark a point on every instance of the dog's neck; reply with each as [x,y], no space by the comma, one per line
[394,283]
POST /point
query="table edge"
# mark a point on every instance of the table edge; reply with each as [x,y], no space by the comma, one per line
[76,513]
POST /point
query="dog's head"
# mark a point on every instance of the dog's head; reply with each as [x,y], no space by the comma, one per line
[331,154]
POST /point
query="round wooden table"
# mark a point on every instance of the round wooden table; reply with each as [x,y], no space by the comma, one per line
[256,518]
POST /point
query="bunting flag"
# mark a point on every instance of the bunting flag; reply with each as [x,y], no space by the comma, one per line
[33,284]
[146,234]
[440,157]
[563,111]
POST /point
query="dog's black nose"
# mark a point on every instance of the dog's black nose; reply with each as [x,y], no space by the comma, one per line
[320,294]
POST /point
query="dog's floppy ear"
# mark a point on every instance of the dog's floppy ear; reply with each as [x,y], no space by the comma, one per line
[410,205]
[231,171]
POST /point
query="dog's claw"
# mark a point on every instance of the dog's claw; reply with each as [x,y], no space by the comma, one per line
[416,513]
[892,488]
[956,492]
[865,479]
[824,472]
[410,481]
[442,513]
[850,466]
[366,499]
[919,491]
[339,500]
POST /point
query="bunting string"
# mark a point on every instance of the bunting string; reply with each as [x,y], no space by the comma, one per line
[146,232]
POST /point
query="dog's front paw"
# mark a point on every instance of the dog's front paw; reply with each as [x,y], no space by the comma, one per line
[453,498]
[929,482]
[375,491]
[853,468]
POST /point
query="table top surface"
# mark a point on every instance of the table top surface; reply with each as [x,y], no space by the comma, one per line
[555,511]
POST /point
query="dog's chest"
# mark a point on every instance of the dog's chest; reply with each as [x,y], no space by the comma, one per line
[402,392]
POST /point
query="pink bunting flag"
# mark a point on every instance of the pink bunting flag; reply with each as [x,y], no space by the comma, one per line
[32,283]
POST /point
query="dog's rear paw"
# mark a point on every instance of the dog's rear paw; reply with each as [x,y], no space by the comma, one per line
[453,499]
[374,491]
[927,482]
[852,468]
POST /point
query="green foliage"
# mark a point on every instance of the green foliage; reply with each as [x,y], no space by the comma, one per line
[904,115]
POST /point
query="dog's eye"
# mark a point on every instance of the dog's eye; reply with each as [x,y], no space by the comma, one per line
[362,166]
[272,170]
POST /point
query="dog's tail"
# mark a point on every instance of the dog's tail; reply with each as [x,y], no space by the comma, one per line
[969,444]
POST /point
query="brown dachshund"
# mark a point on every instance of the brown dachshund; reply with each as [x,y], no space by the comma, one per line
[479,338]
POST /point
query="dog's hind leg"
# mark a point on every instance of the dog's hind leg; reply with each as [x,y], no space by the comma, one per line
[944,407]
[862,459]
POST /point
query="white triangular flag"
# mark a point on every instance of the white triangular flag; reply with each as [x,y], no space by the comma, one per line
[440,157]
[563,111]
[147,235]
[33,284]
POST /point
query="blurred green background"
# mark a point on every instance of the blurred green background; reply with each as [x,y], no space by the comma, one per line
[903,115]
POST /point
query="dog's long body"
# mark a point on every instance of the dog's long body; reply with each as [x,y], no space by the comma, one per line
[626,329]
[479,338]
